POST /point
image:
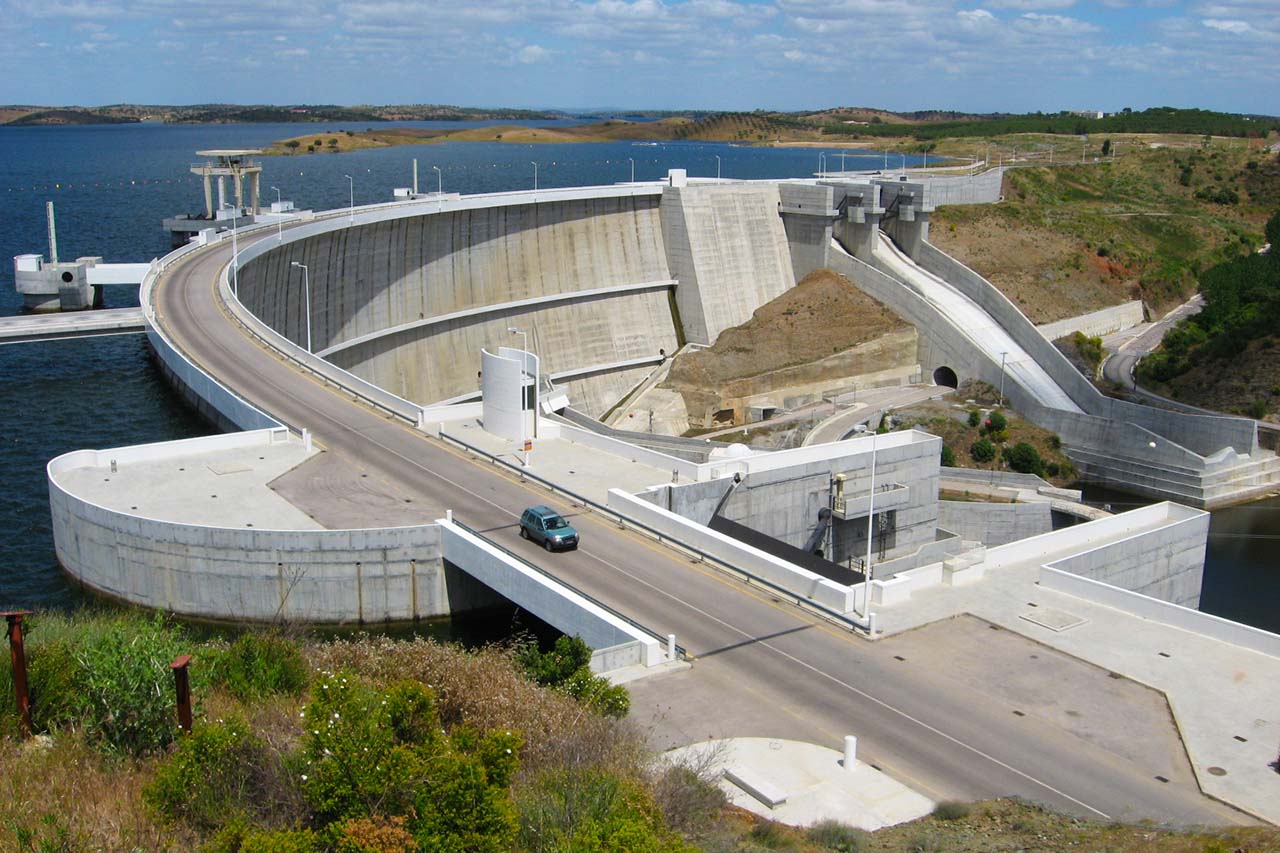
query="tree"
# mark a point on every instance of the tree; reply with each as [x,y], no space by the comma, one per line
[1273,235]
[982,450]
[1024,459]
[948,457]
[292,144]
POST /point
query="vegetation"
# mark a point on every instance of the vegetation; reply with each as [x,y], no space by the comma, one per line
[1241,316]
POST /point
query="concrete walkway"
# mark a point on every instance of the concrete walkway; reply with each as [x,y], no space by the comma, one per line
[871,404]
[1224,698]
[72,324]
[813,780]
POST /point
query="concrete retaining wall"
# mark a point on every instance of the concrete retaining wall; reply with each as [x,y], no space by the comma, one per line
[323,576]
[995,523]
[744,558]
[726,245]
[1167,564]
[983,188]
[1117,318]
[549,600]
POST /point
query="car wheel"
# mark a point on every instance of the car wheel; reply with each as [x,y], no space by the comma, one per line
[524,534]
[546,543]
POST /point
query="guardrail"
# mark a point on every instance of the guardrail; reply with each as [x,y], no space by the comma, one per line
[623,522]
[681,652]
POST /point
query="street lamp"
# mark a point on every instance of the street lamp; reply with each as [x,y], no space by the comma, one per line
[306,296]
[842,156]
[822,165]
[871,514]
[1003,356]
[632,160]
[279,222]
[535,176]
[717,167]
[524,427]
[351,185]
[439,188]
[235,256]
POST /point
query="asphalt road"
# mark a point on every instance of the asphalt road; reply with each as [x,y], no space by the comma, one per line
[807,678]
[1120,364]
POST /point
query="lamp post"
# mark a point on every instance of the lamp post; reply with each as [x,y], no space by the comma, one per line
[279,222]
[306,296]
[842,156]
[1003,356]
[535,176]
[904,163]
[439,188]
[235,256]
[351,186]
[632,161]
[524,428]
[717,167]
[871,514]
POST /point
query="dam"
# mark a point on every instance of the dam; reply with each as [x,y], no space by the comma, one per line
[369,484]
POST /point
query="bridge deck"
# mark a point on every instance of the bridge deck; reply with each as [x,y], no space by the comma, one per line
[81,324]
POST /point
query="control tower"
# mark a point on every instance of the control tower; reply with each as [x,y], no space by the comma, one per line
[231,163]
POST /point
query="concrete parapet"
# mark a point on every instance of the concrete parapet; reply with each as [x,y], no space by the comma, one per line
[239,574]
[995,523]
[744,558]
[1117,318]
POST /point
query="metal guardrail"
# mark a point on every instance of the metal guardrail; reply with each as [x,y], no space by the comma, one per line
[702,556]
[681,652]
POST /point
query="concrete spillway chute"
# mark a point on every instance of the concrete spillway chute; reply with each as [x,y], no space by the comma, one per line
[233,163]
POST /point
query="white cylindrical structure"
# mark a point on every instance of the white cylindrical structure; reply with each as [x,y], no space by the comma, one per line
[671,646]
[850,752]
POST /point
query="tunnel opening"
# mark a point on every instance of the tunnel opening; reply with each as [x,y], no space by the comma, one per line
[945,376]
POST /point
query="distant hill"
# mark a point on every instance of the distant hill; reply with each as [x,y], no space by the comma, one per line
[260,113]
[64,116]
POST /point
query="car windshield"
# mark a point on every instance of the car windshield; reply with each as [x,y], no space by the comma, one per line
[555,522]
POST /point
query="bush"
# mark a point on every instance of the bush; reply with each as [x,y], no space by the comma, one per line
[126,693]
[53,677]
[974,418]
[834,835]
[567,668]
[951,810]
[688,798]
[982,450]
[258,665]
[598,693]
[771,835]
[996,422]
[1257,409]
[948,457]
[590,809]
[1024,459]
[1052,469]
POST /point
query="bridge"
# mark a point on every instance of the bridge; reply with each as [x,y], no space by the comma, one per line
[800,671]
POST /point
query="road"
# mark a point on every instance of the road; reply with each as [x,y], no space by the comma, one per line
[1140,341]
[807,678]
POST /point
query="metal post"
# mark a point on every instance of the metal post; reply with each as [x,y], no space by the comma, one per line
[871,512]
[351,187]
[717,167]
[235,255]
[306,296]
[18,657]
[535,176]
[632,160]
[182,691]
[415,175]
[1003,356]
[850,752]
[53,233]
[279,222]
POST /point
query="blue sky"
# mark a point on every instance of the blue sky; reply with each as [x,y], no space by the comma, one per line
[978,55]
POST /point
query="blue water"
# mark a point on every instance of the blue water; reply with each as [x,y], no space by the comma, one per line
[113,184]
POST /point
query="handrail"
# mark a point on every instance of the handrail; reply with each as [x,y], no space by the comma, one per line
[623,521]
[680,650]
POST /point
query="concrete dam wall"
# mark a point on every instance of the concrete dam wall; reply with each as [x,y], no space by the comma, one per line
[408,302]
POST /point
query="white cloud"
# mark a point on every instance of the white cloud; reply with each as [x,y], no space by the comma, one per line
[1228,26]
[1031,5]
[529,54]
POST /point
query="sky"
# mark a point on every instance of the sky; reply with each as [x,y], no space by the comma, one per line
[971,55]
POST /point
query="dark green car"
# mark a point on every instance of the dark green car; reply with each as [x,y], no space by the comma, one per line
[544,525]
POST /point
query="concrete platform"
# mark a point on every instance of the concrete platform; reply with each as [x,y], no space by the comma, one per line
[576,467]
[812,779]
[227,487]
[1224,698]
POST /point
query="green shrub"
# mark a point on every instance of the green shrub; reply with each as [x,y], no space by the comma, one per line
[219,774]
[591,809]
[688,798]
[975,417]
[53,677]
[834,835]
[771,834]
[258,665]
[554,668]
[948,459]
[126,694]
[996,422]
[982,450]
[951,810]
[280,841]
[598,693]
[1257,409]
[1024,459]
[1052,469]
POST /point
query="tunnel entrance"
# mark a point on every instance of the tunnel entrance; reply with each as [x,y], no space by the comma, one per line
[945,376]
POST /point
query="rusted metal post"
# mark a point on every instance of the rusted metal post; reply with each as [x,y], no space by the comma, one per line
[19,657]
[182,687]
